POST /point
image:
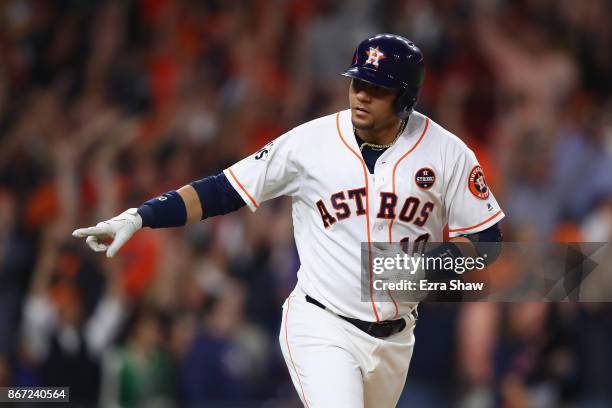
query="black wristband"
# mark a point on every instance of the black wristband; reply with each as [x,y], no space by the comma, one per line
[147,214]
[167,210]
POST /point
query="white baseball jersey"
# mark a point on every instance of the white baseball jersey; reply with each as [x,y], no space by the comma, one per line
[426,180]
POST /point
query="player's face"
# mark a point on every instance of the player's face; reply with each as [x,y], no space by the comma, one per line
[371,106]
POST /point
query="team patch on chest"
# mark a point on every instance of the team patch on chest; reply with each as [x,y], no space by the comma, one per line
[425,178]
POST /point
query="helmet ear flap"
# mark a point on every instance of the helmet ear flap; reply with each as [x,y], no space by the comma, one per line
[404,104]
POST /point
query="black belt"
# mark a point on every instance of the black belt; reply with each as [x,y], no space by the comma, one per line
[376,329]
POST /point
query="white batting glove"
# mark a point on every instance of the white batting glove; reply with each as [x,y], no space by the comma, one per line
[119,228]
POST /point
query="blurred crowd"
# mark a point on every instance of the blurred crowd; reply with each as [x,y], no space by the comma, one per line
[106,103]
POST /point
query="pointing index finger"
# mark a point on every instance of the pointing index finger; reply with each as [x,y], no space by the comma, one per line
[84,232]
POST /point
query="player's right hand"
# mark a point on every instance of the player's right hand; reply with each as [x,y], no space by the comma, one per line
[120,229]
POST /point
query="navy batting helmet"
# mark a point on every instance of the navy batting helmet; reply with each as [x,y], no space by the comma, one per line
[390,61]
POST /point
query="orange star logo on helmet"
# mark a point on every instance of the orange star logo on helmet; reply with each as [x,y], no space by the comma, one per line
[374,55]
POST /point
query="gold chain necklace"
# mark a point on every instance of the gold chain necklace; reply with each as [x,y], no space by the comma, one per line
[381,146]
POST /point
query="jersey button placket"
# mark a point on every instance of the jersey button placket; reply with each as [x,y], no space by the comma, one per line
[380,225]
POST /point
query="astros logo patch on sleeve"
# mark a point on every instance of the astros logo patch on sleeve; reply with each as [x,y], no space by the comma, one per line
[477,183]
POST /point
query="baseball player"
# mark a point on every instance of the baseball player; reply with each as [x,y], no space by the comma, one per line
[377,172]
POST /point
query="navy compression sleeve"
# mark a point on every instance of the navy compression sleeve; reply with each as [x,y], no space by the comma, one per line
[217,196]
[486,242]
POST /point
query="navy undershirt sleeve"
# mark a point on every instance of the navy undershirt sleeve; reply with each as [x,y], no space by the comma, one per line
[217,196]
[491,234]
[486,242]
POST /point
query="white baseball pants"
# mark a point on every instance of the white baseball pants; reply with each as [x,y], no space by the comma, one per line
[334,364]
